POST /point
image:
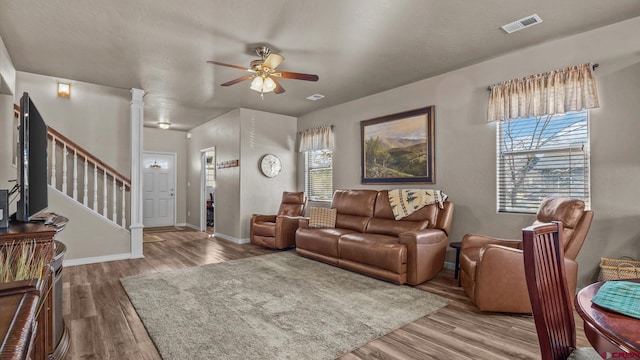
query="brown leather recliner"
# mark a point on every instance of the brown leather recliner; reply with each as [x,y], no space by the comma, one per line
[492,270]
[278,231]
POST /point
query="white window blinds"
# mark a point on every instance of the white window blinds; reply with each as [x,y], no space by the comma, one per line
[542,156]
[319,175]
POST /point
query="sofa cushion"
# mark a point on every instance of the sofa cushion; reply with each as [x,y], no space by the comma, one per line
[321,241]
[394,227]
[322,218]
[381,251]
[354,202]
[352,222]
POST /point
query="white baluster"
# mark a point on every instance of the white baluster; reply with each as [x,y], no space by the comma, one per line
[115,205]
[53,162]
[95,187]
[85,194]
[64,169]
[75,174]
[124,208]
[104,194]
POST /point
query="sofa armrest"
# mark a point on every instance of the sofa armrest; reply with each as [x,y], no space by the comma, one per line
[303,222]
[286,227]
[263,218]
[425,253]
[478,241]
[500,280]
[501,284]
[422,237]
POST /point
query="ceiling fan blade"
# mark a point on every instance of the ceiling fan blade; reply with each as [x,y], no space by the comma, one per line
[272,61]
[235,81]
[229,65]
[278,89]
[298,76]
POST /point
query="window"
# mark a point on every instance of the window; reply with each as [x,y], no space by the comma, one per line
[542,156]
[319,174]
[210,170]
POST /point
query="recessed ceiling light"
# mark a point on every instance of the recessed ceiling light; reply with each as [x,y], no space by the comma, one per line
[525,22]
[164,125]
[314,97]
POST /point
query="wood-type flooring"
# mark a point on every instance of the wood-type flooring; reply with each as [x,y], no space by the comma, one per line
[104,325]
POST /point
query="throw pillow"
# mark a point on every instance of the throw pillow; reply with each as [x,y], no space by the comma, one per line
[322,218]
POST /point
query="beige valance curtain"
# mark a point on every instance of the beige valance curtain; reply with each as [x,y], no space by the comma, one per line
[316,139]
[554,92]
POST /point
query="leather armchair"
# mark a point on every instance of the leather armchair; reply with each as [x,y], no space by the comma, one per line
[492,270]
[278,231]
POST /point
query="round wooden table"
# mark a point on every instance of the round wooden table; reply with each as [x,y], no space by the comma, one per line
[607,331]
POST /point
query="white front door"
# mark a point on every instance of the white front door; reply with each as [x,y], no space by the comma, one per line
[159,189]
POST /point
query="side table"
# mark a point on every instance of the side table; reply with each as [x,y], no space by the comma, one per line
[456,245]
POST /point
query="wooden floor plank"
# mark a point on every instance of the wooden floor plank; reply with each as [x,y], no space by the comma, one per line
[103,323]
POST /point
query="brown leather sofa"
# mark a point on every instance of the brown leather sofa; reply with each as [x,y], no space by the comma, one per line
[369,240]
[492,270]
[278,231]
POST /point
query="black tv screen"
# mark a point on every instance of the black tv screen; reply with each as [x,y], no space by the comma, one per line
[32,162]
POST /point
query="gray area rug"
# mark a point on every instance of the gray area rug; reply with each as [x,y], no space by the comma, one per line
[277,306]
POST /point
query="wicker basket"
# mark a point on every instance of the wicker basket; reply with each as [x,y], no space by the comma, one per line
[617,269]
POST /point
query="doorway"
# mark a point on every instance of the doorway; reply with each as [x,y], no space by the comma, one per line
[208,181]
[159,178]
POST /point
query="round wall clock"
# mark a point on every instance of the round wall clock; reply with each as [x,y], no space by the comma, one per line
[270,165]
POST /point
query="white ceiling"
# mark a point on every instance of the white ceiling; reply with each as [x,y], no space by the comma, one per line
[356,47]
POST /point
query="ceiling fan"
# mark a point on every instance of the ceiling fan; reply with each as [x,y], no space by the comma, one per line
[264,73]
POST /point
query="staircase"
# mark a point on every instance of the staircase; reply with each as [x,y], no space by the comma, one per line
[104,210]
[88,181]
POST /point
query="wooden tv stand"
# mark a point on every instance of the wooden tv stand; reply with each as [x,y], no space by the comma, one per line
[31,325]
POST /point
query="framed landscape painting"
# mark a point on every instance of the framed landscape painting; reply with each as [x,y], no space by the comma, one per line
[399,148]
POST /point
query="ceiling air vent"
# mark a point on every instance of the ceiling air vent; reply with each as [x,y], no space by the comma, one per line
[314,97]
[522,23]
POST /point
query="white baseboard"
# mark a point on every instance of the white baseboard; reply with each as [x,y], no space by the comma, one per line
[190,226]
[232,239]
[95,259]
[449,265]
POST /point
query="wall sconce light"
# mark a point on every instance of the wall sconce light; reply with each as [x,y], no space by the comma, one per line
[64,90]
[164,125]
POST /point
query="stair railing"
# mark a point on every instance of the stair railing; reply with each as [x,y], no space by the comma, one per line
[109,200]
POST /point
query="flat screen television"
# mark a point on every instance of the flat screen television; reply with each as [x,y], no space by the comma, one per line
[32,161]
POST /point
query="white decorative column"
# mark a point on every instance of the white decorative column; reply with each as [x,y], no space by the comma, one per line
[137,141]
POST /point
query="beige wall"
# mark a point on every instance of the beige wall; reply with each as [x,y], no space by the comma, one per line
[466,144]
[7,123]
[89,237]
[95,117]
[222,132]
[264,133]
[171,141]
[7,72]
[241,191]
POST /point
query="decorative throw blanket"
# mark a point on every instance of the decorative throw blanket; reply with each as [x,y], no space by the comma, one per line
[404,202]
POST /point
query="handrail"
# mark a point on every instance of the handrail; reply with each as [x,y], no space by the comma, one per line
[51,132]
[108,170]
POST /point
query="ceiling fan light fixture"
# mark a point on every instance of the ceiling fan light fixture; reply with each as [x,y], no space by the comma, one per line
[269,85]
[257,83]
